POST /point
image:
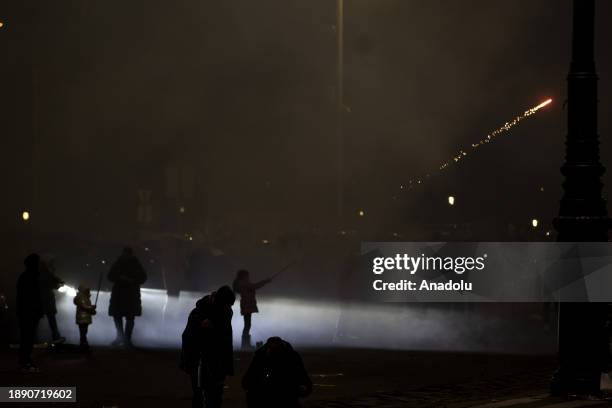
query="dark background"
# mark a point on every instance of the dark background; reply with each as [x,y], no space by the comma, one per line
[228,110]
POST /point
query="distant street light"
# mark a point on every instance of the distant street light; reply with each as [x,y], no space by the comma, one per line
[451,200]
[535,223]
[25,215]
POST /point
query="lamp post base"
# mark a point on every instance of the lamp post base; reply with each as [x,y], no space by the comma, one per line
[583,349]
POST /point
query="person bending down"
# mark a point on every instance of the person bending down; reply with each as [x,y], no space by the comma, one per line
[207,353]
[276,377]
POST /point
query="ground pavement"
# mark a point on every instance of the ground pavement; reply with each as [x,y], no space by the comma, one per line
[343,378]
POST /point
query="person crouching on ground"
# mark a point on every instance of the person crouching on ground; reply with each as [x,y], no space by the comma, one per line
[84,311]
[207,353]
[276,377]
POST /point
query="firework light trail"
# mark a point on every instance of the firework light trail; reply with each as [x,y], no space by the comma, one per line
[463,153]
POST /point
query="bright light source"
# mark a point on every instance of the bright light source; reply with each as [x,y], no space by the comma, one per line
[535,223]
[68,290]
[451,200]
[265,241]
[361,213]
[25,215]
[182,210]
[1,24]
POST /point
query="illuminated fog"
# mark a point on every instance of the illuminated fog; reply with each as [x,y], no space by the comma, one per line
[307,324]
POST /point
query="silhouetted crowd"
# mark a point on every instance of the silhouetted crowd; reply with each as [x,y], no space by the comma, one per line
[276,377]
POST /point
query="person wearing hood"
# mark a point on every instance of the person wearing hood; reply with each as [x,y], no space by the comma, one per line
[276,377]
[29,310]
[207,353]
[84,311]
[127,275]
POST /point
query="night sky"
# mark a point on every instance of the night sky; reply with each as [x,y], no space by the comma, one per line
[100,98]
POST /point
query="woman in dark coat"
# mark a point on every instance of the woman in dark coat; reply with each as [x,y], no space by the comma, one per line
[127,274]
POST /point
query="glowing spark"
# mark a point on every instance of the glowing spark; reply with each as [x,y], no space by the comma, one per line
[506,127]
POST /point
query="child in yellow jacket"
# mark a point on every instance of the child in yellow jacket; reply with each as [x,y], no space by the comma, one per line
[84,311]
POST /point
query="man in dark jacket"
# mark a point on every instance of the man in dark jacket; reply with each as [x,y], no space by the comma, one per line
[49,282]
[127,274]
[276,377]
[207,353]
[5,328]
[29,310]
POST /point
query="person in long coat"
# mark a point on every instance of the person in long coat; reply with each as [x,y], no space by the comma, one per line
[248,302]
[127,275]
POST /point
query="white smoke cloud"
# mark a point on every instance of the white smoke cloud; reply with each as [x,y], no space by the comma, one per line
[307,324]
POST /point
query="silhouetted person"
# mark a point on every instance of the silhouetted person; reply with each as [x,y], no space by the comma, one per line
[84,311]
[127,274]
[49,282]
[207,353]
[248,303]
[29,310]
[276,377]
[4,322]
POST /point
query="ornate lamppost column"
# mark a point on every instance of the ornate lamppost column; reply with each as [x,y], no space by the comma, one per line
[583,215]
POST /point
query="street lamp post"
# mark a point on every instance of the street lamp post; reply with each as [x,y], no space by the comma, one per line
[340,187]
[583,215]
